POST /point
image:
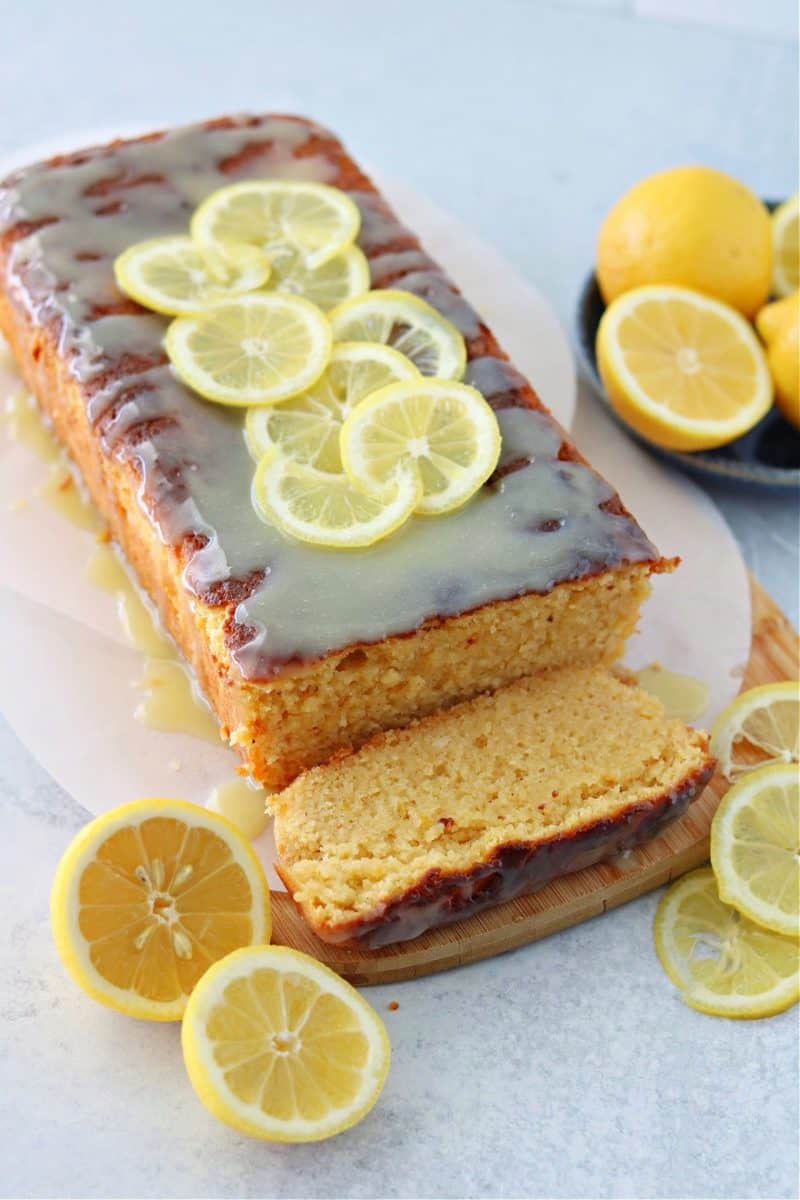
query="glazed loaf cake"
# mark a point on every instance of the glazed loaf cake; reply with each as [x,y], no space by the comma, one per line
[489,800]
[300,651]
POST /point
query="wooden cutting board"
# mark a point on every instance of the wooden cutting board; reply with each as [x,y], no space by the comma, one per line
[574,898]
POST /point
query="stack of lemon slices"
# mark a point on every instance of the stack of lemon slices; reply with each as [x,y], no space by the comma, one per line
[728,935]
[355,414]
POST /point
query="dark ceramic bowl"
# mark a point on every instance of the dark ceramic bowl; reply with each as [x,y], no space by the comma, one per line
[766,457]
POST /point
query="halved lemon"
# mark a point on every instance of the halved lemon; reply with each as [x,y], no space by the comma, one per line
[279,1047]
[408,324]
[257,349]
[328,510]
[340,278]
[172,275]
[683,370]
[786,247]
[722,963]
[755,848]
[444,433]
[306,429]
[279,216]
[148,896]
[761,726]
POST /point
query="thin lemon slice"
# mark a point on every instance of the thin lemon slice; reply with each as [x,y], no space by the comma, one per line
[683,370]
[306,429]
[148,896]
[173,275]
[445,433]
[256,349]
[340,278]
[279,216]
[759,727]
[722,963]
[327,510]
[280,1048]
[786,247]
[407,323]
[755,848]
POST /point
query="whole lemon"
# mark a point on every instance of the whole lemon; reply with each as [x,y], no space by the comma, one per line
[773,318]
[779,326]
[693,227]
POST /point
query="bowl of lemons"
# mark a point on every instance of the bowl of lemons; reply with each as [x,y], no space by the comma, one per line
[689,325]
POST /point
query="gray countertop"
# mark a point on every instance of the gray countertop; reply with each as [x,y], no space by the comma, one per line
[568,1068]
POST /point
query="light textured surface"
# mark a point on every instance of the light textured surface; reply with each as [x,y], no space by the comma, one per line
[569,1068]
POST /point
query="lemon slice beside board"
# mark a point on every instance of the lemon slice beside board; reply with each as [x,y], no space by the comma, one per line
[279,217]
[172,275]
[444,433]
[759,727]
[683,370]
[755,848]
[406,323]
[147,896]
[307,428]
[256,349]
[279,1047]
[327,509]
[720,961]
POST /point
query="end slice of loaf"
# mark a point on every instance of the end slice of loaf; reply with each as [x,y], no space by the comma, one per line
[481,803]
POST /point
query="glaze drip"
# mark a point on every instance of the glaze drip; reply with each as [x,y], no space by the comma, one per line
[543,519]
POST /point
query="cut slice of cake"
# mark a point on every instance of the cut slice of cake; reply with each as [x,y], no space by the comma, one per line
[482,803]
[300,650]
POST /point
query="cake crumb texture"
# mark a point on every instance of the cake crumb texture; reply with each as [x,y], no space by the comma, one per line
[387,838]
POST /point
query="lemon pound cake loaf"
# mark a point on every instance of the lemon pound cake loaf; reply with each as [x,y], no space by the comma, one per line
[476,805]
[301,650]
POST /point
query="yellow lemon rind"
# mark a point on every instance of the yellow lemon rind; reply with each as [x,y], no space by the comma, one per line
[691,226]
